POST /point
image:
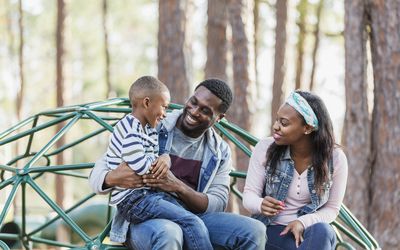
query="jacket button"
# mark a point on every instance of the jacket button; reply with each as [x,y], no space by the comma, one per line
[313,191]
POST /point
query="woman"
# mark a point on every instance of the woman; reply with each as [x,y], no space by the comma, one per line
[297,179]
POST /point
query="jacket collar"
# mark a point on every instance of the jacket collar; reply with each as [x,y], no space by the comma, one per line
[213,139]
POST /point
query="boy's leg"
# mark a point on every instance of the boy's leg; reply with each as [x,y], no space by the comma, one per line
[158,205]
[155,234]
[233,231]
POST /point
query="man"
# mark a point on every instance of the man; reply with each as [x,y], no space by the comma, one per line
[198,176]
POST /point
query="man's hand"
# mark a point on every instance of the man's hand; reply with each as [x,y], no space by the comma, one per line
[297,229]
[168,184]
[160,166]
[196,202]
[271,206]
[124,177]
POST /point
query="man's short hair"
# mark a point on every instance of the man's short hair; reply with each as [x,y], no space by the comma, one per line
[220,89]
[146,85]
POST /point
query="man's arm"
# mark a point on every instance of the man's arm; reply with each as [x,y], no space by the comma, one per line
[102,179]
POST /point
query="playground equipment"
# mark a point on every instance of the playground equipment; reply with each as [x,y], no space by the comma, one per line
[36,162]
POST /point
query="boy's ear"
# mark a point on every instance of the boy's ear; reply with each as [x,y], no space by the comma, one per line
[146,102]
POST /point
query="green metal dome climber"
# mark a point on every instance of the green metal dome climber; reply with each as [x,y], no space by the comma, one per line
[39,161]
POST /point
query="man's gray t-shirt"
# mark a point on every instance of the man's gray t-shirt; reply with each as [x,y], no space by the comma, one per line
[186,157]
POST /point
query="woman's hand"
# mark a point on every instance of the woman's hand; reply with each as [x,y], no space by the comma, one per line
[297,229]
[271,206]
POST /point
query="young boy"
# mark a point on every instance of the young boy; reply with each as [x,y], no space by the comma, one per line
[135,141]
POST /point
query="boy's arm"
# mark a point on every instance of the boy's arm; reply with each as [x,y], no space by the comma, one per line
[134,154]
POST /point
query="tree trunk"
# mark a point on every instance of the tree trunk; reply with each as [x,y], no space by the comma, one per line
[280,53]
[216,40]
[373,180]
[172,61]
[256,17]
[109,90]
[301,23]
[384,220]
[59,179]
[20,92]
[316,43]
[243,73]
[356,132]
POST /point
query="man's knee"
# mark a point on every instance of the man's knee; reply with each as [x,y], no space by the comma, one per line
[155,234]
[259,231]
[169,231]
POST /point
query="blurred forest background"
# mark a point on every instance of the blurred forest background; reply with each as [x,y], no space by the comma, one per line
[65,52]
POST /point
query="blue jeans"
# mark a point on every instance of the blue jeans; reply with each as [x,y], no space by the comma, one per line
[226,231]
[319,236]
[145,204]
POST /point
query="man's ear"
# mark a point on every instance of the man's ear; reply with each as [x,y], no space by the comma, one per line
[146,102]
[220,116]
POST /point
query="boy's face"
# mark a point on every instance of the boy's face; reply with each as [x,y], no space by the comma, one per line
[157,108]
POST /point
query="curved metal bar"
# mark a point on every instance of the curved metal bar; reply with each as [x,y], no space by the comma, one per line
[59,211]
[10,198]
[53,140]
[345,244]
[37,128]
[4,245]
[17,126]
[58,216]
[99,120]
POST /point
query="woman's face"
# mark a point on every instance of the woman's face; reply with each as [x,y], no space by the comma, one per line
[289,126]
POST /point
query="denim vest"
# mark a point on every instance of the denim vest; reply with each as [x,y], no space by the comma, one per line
[277,186]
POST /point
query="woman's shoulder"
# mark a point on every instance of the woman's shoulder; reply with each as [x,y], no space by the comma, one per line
[264,144]
[339,158]
[338,152]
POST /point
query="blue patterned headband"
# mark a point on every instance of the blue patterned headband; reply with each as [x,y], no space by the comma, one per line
[300,104]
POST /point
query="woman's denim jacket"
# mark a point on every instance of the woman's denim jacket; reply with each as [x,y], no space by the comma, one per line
[277,186]
[214,173]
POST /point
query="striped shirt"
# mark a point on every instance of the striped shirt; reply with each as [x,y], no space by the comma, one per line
[134,145]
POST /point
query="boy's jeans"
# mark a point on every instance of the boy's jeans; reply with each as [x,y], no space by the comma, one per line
[145,204]
[319,236]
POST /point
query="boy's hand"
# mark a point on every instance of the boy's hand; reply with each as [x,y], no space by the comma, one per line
[160,166]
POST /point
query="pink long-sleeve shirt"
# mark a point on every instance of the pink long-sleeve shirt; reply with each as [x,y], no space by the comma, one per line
[298,194]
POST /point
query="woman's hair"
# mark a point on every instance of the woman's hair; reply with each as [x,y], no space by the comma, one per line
[323,142]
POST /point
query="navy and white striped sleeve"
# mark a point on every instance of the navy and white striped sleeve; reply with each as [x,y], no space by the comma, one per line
[133,153]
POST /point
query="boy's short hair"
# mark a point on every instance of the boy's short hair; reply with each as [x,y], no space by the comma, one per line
[220,89]
[145,86]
